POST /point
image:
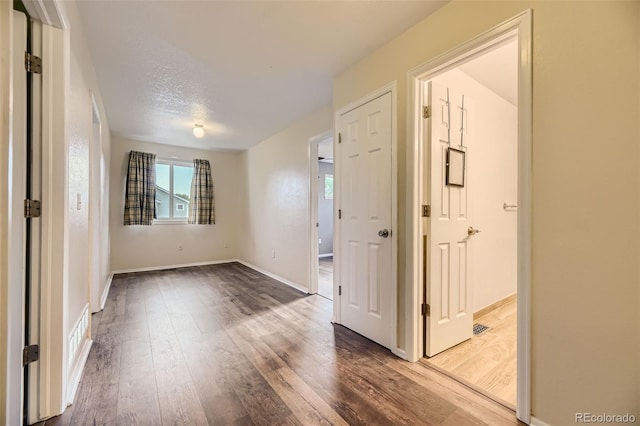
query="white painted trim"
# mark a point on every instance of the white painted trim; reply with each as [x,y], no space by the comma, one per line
[313,207]
[163,267]
[525,208]
[48,12]
[53,222]
[105,292]
[274,276]
[320,256]
[393,89]
[400,353]
[76,372]
[6,18]
[95,205]
[537,422]
[520,27]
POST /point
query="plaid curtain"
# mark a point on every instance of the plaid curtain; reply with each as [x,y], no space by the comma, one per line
[140,198]
[202,210]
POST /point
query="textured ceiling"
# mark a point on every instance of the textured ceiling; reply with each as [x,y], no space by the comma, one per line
[245,70]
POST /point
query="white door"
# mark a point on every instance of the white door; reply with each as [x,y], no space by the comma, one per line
[365,260]
[449,245]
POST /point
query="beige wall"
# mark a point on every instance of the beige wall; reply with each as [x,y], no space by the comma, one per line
[276,200]
[135,247]
[586,188]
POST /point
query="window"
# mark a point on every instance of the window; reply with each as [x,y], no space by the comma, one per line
[328,187]
[173,190]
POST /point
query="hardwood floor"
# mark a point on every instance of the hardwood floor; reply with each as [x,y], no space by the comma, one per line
[223,344]
[487,361]
[325,277]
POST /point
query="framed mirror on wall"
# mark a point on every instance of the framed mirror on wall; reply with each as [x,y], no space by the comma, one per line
[455,167]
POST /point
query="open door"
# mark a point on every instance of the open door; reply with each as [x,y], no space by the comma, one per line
[448,242]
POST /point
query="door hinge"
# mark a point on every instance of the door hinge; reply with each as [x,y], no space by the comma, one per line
[339,290]
[426,309]
[32,63]
[31,208]
[339,213]
[426,112]
[339,137]
[426,210]
[30,354]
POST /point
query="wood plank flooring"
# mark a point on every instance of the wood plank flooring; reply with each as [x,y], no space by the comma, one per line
[487,361]
[223,344]
[325,277]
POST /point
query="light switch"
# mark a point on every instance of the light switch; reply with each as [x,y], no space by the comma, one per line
[78,201]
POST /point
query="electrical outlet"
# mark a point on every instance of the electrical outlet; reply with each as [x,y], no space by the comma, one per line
[273,253]
[179,246]
[226,244]
[319,240]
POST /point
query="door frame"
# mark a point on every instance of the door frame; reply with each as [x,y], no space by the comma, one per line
[95,209]
[392,88]
[520,28]
[313,208]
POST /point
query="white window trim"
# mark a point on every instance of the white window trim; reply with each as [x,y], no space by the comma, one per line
[172,162]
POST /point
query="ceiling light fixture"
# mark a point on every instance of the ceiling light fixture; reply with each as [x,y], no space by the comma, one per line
[198,130]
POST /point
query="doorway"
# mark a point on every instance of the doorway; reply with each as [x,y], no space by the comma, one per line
[471,236]
[518,28]
[325,218]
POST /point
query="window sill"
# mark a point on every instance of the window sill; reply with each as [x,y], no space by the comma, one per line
[171,222]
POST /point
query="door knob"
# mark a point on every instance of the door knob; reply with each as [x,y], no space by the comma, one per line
[471,231]
[384,233]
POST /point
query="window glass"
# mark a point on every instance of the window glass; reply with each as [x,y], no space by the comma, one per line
[328,187]
[173,190]
[163,190]
[182,190]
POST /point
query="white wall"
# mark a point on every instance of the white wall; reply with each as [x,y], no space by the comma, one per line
[80,90]
[275,211]
[492,175]
[585,288]
[135,247]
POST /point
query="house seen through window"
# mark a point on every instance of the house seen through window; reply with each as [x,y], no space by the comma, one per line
[173,190]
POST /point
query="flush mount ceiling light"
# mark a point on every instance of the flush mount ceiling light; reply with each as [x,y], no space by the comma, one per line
[198,131]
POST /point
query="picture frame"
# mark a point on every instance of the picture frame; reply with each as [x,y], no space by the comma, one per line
[455,167]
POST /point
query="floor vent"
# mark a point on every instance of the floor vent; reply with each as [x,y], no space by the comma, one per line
[478,329]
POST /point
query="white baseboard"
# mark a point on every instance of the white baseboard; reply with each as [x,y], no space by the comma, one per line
[274,276]
[538,422]
[400,353]
[212,262]
[105,292]
[76,373]
[325,255]
[162,267]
